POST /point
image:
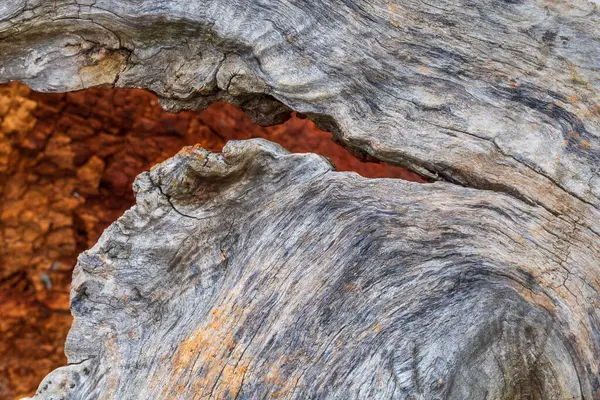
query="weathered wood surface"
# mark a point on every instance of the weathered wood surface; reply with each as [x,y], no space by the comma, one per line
[499,95]
[258,273]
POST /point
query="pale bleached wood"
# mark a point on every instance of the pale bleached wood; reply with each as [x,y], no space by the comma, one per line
[256,273]
[331,285]
[498,95]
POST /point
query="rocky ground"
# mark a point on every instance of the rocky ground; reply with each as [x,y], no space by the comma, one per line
[67,162]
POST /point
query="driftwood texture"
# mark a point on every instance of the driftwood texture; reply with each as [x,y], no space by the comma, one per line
[260,273]
[256,273]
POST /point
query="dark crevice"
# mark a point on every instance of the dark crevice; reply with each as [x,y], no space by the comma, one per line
[171,202]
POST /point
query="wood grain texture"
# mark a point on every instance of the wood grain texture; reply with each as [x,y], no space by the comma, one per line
[258,273]
[499,95]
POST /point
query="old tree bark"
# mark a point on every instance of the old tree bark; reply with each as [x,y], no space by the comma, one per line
[257,273]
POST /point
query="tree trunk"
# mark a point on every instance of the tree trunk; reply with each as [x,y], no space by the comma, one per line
[257,273]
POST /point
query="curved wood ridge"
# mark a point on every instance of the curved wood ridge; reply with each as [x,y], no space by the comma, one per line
[499,95]
[257,272]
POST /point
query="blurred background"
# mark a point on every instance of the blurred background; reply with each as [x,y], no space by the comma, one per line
[67,162]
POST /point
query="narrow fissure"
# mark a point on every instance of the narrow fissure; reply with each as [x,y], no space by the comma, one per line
[67,163]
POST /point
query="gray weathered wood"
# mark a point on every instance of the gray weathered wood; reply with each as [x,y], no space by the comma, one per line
[499,95]
[261,273]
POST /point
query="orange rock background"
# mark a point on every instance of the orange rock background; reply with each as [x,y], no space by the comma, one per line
[67,162]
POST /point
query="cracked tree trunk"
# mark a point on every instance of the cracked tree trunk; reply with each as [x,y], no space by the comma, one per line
[257,273]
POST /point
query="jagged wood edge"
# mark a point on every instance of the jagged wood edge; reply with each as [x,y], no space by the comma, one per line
[258,273]
[499,96]
[450,93]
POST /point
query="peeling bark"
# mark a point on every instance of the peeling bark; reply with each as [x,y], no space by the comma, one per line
[257,273]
